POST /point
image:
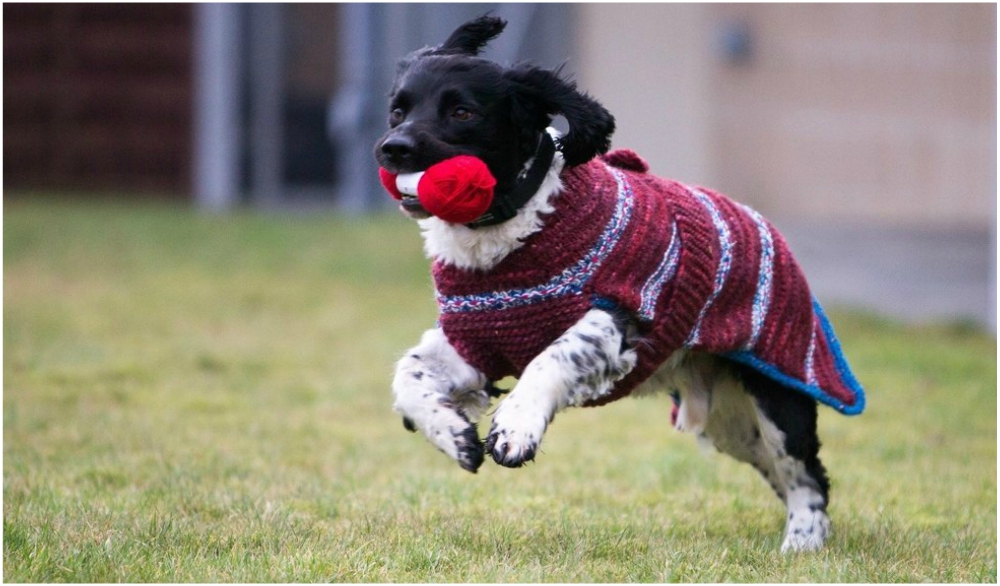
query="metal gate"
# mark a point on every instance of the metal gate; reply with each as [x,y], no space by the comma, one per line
[243,118]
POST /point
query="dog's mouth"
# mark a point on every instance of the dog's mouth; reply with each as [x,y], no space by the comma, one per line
[409,203]
[411,206]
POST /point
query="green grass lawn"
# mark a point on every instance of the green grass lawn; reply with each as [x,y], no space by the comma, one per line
[198,398]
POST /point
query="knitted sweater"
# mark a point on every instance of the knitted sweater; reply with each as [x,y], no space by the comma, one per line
[695,269]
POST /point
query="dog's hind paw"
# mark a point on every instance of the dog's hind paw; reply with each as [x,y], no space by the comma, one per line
[806,532]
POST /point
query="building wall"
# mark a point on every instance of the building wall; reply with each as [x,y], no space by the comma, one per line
[884,112]
[650,66]
[97,96]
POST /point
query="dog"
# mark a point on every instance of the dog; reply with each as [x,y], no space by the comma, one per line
[589,279]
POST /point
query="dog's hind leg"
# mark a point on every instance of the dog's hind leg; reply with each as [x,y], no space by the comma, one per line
[442,396]
[582,365]
[758,421]
[799,476]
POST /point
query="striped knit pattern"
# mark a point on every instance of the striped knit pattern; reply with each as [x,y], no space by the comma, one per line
[696,269]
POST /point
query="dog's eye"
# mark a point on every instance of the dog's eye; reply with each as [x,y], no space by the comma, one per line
[461,114]
[396,115]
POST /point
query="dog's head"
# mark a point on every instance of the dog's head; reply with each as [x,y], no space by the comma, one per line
[446,101]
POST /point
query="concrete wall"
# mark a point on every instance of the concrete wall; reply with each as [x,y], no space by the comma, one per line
[844,111]
[650,65]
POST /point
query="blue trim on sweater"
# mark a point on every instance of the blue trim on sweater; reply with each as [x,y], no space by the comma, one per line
[603,303]
[843,370]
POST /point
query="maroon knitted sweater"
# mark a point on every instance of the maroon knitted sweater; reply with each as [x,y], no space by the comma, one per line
[694,268]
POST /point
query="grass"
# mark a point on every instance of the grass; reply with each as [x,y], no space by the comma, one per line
[196,398]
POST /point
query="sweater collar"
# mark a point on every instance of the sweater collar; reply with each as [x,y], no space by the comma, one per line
[507,204]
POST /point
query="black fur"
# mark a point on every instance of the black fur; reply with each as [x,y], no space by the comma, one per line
[541,94]
[795,415]
[472,36]
[446,101]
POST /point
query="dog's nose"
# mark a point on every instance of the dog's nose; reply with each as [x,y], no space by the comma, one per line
[398,148]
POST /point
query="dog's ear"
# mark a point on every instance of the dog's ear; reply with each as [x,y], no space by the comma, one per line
[472,36]
[541,93]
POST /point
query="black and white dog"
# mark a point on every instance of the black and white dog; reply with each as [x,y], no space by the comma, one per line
[447,101]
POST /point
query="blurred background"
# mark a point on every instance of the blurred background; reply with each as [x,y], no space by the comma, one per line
[866,132]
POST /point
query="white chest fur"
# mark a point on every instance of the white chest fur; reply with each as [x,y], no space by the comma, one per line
[483,248]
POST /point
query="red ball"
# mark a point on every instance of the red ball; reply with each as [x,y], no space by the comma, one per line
[389,183]
[457,190]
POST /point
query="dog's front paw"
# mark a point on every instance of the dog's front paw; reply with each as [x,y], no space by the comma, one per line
[469,447]
[453,433]
[515,435]
[447,428]
[511,448]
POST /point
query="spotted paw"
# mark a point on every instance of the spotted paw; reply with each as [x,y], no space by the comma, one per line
[470,450]
[448,428]
[511,449]
[514,445]
[806,531]
[518,426]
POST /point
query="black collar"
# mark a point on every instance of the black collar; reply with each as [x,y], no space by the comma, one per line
[506,205]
